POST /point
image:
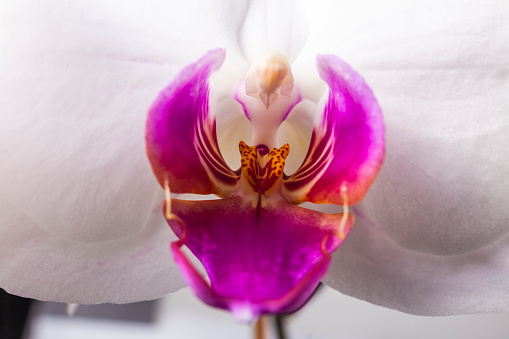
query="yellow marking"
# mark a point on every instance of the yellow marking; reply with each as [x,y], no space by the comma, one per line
[167,194]
[262,172]
[272,76]
[170,216]
[249,162]
[344,219]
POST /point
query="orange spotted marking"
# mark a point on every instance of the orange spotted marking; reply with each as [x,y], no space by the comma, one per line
[262,171]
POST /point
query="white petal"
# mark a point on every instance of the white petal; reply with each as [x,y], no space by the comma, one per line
[296,131]
[77,79]
[370,266]
[279,25]
[232,127]
[440,72]
[39,265]
[80,221]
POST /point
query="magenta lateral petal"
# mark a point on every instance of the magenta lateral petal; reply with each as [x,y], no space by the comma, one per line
[181,133]
[348,142]
[259,259]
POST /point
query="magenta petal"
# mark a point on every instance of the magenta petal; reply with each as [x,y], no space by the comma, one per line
[181,133]
[348,141]
[259,259]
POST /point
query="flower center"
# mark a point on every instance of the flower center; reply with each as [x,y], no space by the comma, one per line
[268,96]
[269,78]
[262,168]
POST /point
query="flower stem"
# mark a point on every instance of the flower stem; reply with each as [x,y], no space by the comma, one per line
[280,329]
[259,328]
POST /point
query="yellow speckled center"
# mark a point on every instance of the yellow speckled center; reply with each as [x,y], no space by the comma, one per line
[262,171]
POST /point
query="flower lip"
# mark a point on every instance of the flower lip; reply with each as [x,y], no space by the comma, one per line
[249,265]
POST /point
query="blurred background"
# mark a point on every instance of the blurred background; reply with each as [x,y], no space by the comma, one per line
[180,315]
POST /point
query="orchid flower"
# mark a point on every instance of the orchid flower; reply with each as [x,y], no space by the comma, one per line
[262,254]
[81,219]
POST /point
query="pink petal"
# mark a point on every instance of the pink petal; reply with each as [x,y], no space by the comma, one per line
[181,133]
[347,144]
[259,259]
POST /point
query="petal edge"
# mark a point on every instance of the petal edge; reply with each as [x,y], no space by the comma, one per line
[348,142]
[181,137]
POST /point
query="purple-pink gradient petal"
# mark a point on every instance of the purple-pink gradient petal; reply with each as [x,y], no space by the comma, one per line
[348,142]
[181,133]
[259,259]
